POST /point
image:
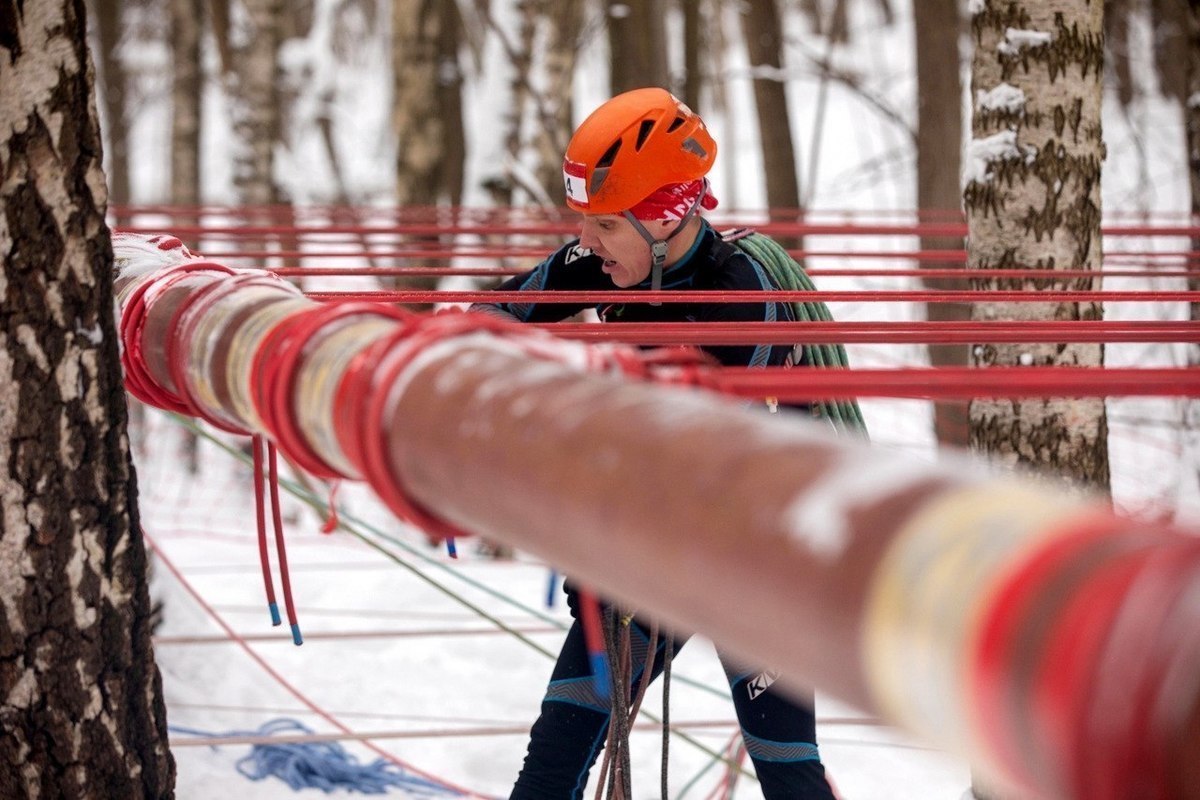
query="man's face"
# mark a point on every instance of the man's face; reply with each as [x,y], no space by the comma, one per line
[626,254]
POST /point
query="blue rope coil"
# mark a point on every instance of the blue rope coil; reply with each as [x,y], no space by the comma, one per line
[321,765]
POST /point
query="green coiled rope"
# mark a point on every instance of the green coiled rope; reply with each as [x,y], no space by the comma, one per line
[845,414]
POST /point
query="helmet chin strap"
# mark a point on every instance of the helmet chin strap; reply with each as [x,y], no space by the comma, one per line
[658,247]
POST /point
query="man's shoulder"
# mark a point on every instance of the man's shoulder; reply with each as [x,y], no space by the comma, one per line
[731,267]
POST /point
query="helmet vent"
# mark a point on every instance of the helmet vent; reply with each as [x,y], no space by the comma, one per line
[610,155]
[643,132]
[676,123]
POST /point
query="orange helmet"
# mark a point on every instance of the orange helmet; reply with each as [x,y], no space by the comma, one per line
[634,144]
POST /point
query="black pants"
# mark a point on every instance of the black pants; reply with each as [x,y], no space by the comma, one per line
[780,735]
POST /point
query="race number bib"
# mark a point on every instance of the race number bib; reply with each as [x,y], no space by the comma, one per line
[575,178]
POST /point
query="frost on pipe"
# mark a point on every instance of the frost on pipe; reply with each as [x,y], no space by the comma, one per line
[1043,637]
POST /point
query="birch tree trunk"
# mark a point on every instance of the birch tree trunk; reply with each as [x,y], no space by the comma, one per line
[81,708]
[939,146]
[256,111]
[1033,201]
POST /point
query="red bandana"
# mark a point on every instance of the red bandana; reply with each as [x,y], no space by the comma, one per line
[673,201]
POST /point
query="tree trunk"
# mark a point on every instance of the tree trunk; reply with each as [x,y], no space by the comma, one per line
[256,117]
[637,41]
[426,111]
[81,713]
[764,45]
[564,20]
[423,125]
[1191,113]
[694,43]
[449,97]
[109,27]
[1033,201]
[939,148]
[187,87]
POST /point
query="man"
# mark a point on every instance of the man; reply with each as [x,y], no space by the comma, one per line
[635,169]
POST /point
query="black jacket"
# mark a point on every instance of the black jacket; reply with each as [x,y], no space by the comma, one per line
[711,264]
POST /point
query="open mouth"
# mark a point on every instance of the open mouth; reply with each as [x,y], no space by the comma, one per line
[608,265]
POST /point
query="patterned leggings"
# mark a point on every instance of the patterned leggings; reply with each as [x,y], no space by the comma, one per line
[780,735]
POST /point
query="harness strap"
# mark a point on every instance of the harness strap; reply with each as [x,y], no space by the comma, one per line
[658,247]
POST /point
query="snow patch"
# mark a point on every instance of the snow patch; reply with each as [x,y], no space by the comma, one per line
[1017,40]
[982,153]
[1004,97]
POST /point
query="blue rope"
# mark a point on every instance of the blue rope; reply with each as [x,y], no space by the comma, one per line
[321,765]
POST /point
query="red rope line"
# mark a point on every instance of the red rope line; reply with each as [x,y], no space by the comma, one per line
[984,332]
[957,273]
[264,556]
[750,296]
[955,382]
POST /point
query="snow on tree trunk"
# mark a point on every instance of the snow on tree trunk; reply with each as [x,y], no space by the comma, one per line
[1032,199]
[81,709]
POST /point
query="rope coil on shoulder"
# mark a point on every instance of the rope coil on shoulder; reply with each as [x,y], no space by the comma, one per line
[788,275]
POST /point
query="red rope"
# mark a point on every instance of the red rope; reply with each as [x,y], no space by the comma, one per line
[264,556]
[956,382]
[873,332]
[285,577]
[956,273]
[750,296]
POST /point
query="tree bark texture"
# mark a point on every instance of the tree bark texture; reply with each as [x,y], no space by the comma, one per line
[564,22]
[256,107]
[109,27]
[426,112]
[1033,201]
[1191,111]
[764,46]
[81,709]
[694,45]
[939,164]
[187,87]
[637,37]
